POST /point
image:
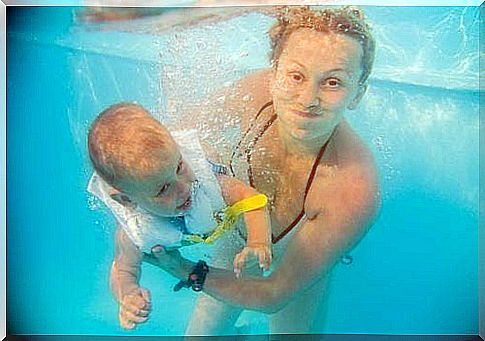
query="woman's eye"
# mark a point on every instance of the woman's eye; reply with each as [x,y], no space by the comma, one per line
[296,77]
[332,82]
[163,190]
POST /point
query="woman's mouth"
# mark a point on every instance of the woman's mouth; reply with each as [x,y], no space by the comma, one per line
[305,114]
[185,205]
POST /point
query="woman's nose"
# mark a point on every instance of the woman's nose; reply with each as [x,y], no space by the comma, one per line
[308,96]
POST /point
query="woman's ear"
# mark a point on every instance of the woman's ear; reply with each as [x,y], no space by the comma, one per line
[358,97]
[122,199]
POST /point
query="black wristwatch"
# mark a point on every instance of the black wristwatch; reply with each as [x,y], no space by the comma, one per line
[196,278]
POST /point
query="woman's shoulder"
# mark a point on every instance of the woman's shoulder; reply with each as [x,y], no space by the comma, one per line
[352,150]
[354,169]
[358,170]
[351,185]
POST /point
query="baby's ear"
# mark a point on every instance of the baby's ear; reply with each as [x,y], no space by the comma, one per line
[122,199]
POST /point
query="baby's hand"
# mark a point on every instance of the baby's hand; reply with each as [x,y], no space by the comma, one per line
[261,251]
[134,308]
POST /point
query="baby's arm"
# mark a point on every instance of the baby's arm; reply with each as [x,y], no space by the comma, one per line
[134,301]
[257,224]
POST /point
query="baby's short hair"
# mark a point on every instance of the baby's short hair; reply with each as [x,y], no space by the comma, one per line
[126,142]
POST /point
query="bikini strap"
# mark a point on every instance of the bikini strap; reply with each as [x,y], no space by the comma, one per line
[247,151]
[251,126]
[309,183]
[311,176]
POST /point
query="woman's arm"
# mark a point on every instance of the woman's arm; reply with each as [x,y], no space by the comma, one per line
[348,208]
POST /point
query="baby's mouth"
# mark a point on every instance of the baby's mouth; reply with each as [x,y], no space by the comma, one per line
[186,204]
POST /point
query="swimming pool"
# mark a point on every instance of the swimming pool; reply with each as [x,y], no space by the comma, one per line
[416,270]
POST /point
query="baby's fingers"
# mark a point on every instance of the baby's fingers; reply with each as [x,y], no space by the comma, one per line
[130,317]
[146,295]
[125,321]
[134,310]
[140,298]
[264,257]
[136,307]
[126,324]
[239,261]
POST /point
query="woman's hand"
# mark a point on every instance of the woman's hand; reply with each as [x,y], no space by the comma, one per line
[169,260]
[162,258]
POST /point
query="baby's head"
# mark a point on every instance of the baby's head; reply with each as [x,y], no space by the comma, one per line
[136,155]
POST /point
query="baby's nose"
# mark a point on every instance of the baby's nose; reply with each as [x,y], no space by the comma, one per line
[183,188]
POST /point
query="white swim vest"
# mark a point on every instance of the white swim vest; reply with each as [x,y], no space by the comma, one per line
[146,229]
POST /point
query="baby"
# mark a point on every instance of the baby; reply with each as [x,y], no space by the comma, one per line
[164,191]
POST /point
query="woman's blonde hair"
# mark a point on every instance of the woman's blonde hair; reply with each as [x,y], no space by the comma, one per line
[346,20]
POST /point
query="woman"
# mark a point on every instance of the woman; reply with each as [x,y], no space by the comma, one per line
[297,148]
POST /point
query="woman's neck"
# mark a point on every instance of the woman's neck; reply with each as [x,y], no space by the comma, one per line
[301,148]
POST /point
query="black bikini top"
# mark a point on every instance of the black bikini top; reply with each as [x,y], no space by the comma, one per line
[247,153]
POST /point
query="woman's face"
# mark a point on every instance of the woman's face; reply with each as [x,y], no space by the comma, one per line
[315,81]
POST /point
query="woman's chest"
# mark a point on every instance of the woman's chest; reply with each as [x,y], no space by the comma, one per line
[286,183]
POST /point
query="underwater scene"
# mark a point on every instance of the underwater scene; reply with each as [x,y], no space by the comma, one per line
[414,272]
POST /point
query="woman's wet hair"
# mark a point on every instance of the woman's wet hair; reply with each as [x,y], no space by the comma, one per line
[348,20]
[125,142]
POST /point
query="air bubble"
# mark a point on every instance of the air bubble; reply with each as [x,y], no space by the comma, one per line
[347,260]
[93,203]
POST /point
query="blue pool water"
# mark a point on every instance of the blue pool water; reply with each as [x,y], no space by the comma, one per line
[416,270]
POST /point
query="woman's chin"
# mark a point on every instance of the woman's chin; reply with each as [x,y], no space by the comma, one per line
[303,134]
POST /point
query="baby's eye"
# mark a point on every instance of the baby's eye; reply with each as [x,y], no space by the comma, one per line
[180,167]
[163,190]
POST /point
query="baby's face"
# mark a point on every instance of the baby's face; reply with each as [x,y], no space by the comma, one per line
[167,191]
